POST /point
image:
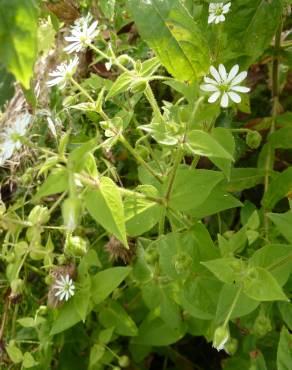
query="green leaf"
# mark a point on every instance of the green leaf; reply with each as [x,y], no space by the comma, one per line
[283,221]
[285,309]
[279,188]
[115,315]
[224,138]
[141,214]
[154,332]
[14,352]
[192,187]
[284,353]
[228,270]
[199,297]
[212,145]
[56,182]
[218,200]
[275,258]
[244,305]
[106,281]
[245,24]
[281,138]
[260,285]
[82,298]
[174,36]
[18,35]
[28,360]
[244,178]
[67,316]
[96,353]
[106,207]
[6,86]
[122,84]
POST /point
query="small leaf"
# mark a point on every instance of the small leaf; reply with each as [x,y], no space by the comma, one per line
[106,207]
[283,221]
[56,182]
[122,84]
[279,188]
[115,315]
[14,352]
[28,360]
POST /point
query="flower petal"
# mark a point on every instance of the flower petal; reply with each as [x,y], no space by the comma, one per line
[235,97]
[224,100]
[211,18]
[215,74]
[239,78]
[209,87]
[222,72]
[242,89]
[210,81]
[233,72]
[214,97]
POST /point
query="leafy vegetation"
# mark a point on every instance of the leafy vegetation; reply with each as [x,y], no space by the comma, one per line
[146,183]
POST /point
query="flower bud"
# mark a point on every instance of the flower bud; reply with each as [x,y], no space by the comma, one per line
[262,325]
[124,361]
[17,286]
[76,246]
[70,211]
[253,139]
[221,337]
[231,346]
[182,262]
[39,215]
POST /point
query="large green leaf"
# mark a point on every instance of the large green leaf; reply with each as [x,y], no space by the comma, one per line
[106,281]
[174,36]
[18,38]
[106,207]
[244,178]
[192,187]
[245,24]
[6,86]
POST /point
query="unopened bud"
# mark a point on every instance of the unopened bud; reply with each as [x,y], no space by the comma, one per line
[262,325]
[221,337]
[39,215]
[124,361]
[231,346]
[76,246]
[182,262]
[253,139]
[70,211]
[17,286]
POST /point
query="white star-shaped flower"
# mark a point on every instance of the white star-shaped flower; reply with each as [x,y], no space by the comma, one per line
[225,85]
[11,139]
[217,11]
[63,73]
[82,34]
[64,287]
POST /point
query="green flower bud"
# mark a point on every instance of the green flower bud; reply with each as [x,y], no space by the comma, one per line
[262,325]
[76,246]
[49,280]
[70,211]
[124,361]
[151,255]
[17,286]
[39,215]
[61,259]
[221,337]
[231,346]
[182,262]
[42,310]
[253,139]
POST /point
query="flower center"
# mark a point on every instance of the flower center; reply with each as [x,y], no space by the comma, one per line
[219,10]
[224,87]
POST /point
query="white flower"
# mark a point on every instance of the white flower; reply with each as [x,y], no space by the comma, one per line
[63,73]
[225,85]
[217,11]
[82,34]
[65,288]
[11,139]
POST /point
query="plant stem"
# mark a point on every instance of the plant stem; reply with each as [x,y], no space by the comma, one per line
[178,159]
[105,56]
[275,101]
[138,158]
[84,92]
[232,306]
[151,98]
